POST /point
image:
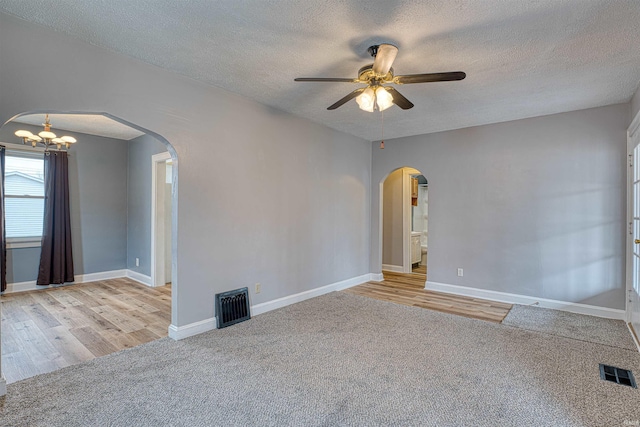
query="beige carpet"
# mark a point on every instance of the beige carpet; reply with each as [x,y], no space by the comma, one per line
[339,360]
[597,330]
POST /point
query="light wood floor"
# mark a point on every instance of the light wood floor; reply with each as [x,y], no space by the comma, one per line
[46,330]
[420,269]
[408,289]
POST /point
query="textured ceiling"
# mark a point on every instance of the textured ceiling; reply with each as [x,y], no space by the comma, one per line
[523,58]
[90,124]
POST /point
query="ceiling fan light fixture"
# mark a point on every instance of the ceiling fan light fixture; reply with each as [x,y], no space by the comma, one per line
[383,98]
[367,100]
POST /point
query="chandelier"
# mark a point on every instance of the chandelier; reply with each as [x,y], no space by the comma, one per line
[46,137]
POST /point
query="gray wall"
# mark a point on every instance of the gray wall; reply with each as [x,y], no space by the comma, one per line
[532,207]
[98,198]
[392,219]
[262,196]
[139,195]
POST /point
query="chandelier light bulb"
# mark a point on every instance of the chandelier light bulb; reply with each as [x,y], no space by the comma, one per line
[23,134]
[68,139]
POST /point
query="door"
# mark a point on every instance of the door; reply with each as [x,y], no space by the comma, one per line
[633,285]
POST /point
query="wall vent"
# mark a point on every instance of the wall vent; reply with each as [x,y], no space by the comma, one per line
[617,375]
[232,307]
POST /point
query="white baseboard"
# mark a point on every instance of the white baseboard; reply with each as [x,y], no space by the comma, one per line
[80,278]
[182,332]
[3,386]
[377,277]
[394,268]
[104,275]
[139,277]
[633,335]
[292,299]
[573,307]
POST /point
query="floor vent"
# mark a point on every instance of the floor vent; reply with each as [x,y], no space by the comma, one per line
[617,375]
[232,307]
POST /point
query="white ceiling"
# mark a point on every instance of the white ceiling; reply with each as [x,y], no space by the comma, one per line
[523,58]
[84,123]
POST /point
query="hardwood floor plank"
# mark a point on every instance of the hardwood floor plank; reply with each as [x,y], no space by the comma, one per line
[95,320]
[69,347]
[93,341]
[120,319]
[135,304]
[46,329]
[34,344]
[17,366]
[408,289]
[41,316]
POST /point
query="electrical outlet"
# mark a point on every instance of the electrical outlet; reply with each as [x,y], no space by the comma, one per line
[137,262]
[460,272]
[258,288]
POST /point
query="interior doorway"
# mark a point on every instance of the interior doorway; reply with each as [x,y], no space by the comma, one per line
[633,251]
[419,223]
[404,222]
[161,209]
[130,312]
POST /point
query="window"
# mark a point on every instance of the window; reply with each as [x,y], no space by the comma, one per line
[24,198]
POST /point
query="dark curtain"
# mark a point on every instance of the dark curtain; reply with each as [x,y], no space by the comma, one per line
[56,258]
[3,233]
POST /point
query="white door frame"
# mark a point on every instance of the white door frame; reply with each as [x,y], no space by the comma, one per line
[406,220]
[633,139]
[158,215]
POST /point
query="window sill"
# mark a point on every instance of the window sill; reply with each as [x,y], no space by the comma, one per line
[23,242]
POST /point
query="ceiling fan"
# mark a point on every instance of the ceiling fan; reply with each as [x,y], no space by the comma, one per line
[375,95]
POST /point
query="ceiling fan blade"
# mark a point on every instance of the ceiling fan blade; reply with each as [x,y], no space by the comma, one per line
[325,79]
[399,99]
[346,98]
[427,78]
[384,59]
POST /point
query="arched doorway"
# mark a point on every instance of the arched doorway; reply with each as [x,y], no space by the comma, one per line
[404,221]
[111,216]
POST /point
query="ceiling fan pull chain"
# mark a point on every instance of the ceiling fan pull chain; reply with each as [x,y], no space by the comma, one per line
[382,139]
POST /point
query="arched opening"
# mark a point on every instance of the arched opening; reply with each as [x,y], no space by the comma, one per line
[114,301]
[404,222]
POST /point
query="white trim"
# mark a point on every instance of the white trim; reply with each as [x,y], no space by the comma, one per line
[377,277]
[139,277]
[181,332]
[292,299]
[23,242]
[631,297]
[157,220]
[3,386]
[573,307]
[633,336]
[80,278]
[406,220]
[394,268]
[104,275]
[635,124]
